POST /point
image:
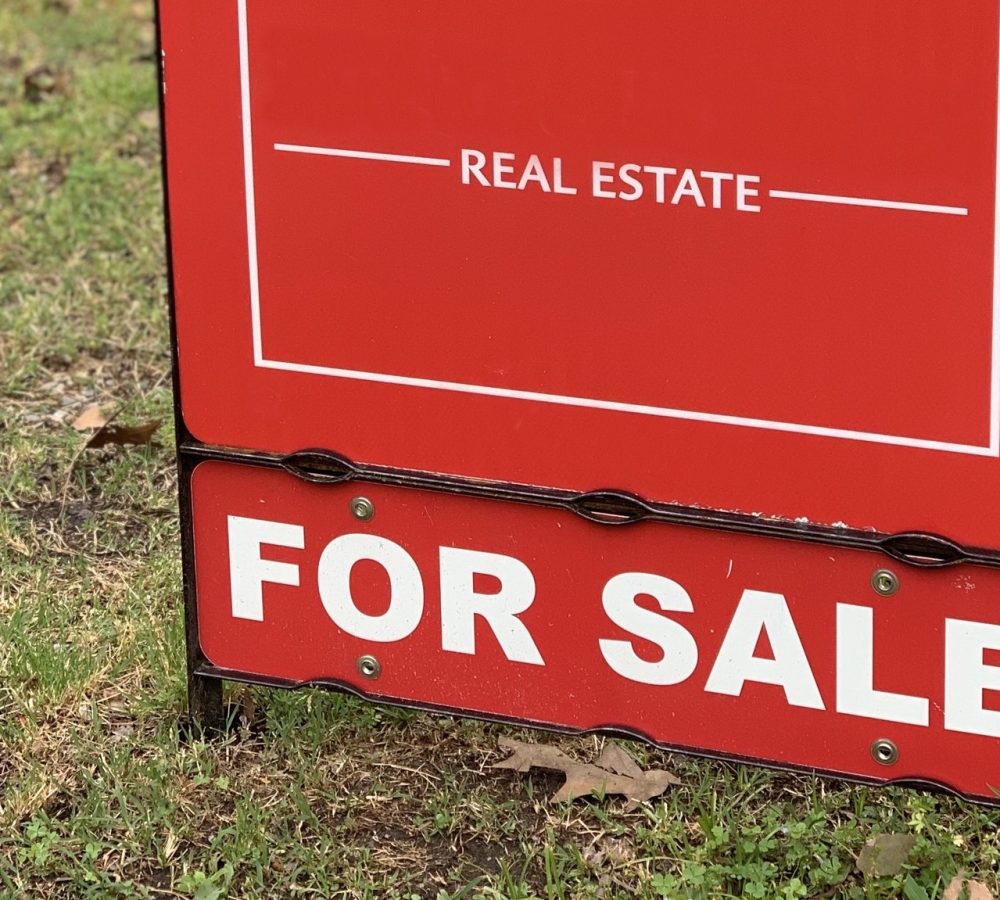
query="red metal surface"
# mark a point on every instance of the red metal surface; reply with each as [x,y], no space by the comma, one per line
[813,360]
[919,648]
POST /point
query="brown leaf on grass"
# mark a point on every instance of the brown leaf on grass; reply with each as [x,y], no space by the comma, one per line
[974,890]
[614,773]
[92,417]
[124,434]
[884,854]
[149,118]
[615,759]
[45,81]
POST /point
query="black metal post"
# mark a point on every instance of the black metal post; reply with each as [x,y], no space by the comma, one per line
[205,707]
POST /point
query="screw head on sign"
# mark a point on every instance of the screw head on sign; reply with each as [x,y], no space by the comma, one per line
[363,509]
[884,752]
[885,582]
[369,666]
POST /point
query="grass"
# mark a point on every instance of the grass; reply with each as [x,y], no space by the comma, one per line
[313,794]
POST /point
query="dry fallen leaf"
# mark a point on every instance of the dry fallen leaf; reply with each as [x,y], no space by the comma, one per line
[44,81]
[615,759]
[124,434]
[975,890]
[149,118]
[92,417]
[614,773]
[884,854]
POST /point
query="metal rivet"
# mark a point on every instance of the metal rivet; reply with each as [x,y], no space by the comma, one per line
[369,667]
[885,582]
[362,508]
[884,752]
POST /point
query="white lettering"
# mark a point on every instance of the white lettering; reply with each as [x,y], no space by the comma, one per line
[472,165]
[736,664]
[533,172]
[557,178]
[406,603]
[660,172]
[248,572]
[966,676]
[600,178]
[499,170]
[688,187]
[742,192]
[856,695]
[460,603]
[680,652]
[626,173]
[717,178]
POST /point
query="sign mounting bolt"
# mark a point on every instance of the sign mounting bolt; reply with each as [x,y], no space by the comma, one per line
[369,667]
[362,509]
[884,752]
[885,582]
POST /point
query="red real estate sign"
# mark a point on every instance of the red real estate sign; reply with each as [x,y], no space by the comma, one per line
[732,257]
[742,253]
[689,638]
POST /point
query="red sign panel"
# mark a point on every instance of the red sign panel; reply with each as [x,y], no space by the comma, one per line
[690,638]
[734,256]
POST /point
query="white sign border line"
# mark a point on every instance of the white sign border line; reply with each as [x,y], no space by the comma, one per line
[992,450]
